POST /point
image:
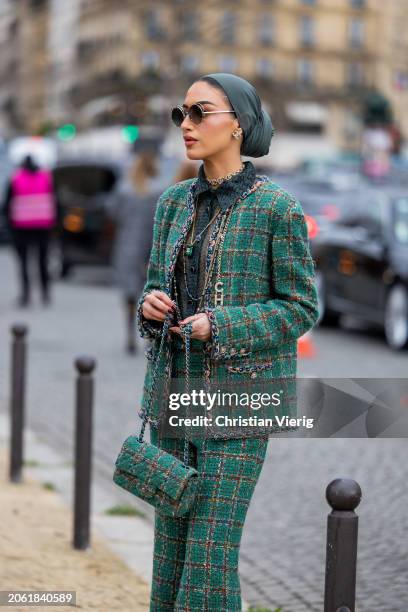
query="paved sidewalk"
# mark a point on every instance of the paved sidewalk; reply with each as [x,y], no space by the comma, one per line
[37,553]
[114,573]
[282,560]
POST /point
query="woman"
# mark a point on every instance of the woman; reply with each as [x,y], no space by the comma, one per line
[133,211]
[246,318]
[31,210]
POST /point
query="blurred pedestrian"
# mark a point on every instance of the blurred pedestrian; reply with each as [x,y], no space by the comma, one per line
[187,170]
[31,212]
[376,150]
[133,209]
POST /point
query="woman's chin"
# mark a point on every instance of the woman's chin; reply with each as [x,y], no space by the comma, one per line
[191,154]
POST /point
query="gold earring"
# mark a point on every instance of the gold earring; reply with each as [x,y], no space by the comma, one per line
[237,133]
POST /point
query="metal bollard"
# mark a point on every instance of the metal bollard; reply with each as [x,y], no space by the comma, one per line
[83,451]
[17,400]
[343,495]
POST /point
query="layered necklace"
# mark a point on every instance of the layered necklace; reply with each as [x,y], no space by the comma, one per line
[188,247]
[188,250]
[217,181]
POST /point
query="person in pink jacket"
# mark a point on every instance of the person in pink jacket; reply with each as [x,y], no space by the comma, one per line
[31,211]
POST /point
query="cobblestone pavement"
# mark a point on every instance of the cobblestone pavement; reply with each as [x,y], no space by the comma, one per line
[283,546]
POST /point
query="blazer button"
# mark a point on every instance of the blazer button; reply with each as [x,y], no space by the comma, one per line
[253,374]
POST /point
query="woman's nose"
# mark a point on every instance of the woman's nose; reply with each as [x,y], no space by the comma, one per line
[186,118]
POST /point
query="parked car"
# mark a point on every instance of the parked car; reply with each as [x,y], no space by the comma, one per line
[86,230]
[322,199]
[85,188]
[362,264]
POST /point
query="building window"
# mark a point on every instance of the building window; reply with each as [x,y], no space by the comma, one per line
[227,63]
[190,63]
[227,28]
[189,24]
[150,59]
[305,71]
[358,4]
[355,74]
[264,67]
[307,31]
[266,29]
[356,33]
[153,28]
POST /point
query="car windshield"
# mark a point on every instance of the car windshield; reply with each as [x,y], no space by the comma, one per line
[401,220]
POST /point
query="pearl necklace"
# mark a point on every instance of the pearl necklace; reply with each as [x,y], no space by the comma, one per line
[217,181]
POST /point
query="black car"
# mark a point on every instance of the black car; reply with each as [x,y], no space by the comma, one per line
[85,189]
[86,231]
[324,200]
[362,264]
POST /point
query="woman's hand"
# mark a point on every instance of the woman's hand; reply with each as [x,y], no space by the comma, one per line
[201,327]
[156,305]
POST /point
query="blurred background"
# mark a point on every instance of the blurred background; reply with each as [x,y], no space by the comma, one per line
[86,88]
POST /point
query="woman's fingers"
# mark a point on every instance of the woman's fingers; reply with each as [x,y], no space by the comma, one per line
[200,326]
[156,305]
[150,312]
[162,296]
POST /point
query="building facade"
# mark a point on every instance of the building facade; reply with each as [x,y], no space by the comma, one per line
[312,60]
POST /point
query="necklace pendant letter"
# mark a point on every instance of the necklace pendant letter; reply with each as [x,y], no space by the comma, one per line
[219,294]
[189,250]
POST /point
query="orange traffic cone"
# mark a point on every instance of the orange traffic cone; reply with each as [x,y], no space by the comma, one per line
[306,347]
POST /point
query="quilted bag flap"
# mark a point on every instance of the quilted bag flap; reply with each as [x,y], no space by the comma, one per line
[154,466]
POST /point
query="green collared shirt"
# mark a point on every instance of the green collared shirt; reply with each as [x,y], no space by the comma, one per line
[207,201]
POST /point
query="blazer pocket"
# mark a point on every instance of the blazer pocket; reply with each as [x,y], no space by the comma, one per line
[251,370]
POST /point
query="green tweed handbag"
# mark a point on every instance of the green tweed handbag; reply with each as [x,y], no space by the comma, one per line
[151,473]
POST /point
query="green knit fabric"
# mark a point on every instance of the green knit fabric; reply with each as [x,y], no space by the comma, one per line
[195,558]
[268,275]
[208,199]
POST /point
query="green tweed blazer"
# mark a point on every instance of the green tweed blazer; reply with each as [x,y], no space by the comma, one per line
[268,277]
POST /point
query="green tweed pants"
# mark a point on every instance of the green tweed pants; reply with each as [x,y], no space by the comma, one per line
[195,562]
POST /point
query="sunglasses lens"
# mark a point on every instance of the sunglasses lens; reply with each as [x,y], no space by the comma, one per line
[177,116]
[196,114]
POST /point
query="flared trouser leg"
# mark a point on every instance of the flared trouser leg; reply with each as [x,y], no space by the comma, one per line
[170,535]
[195,564]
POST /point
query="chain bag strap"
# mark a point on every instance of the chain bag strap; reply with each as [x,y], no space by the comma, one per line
[149,472]
[186,330]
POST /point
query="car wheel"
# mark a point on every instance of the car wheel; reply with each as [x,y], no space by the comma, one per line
[326,317]
[396,317]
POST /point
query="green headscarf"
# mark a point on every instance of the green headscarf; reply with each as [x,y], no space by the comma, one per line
[253,119]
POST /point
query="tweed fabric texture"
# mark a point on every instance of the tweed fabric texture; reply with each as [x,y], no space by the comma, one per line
[207,201]
[268,276]
[195,557]
[155,476]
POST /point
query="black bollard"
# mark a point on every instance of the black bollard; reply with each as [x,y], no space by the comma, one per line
[17,400]
[343,495]
[83,451]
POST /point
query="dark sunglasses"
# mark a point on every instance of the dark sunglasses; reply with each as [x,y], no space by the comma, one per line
[196,114]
